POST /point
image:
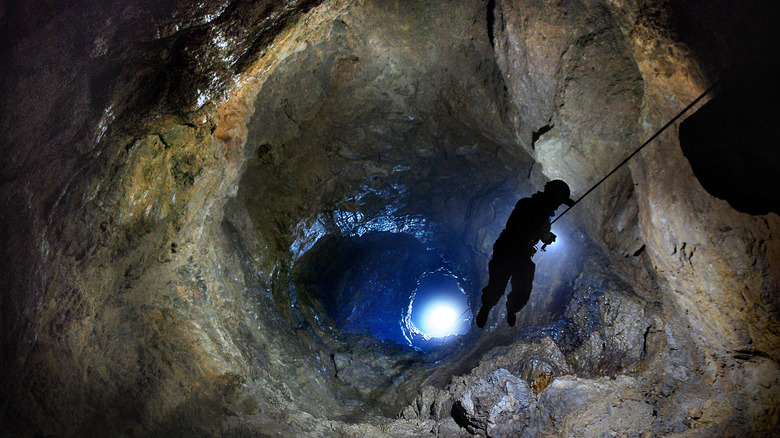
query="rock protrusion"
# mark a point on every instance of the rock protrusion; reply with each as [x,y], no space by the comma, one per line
[496,406]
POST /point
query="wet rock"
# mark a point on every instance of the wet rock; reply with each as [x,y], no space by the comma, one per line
[588,355]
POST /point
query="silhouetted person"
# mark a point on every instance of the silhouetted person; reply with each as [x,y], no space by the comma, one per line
[512,252]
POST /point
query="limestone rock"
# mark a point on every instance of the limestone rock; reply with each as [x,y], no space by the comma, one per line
[538,362]
[165,167]
[497,406]
[579,407]
[450,429]
[431,403]
[411,428]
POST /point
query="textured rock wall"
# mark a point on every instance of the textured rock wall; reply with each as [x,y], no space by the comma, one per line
[160,162]
[112,287]
[589,56]
[722,287]
[716,268]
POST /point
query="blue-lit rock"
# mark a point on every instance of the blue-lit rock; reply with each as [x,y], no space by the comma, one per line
[382,284]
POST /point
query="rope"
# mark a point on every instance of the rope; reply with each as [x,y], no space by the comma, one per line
[458,318]
[622,163]
[636,151]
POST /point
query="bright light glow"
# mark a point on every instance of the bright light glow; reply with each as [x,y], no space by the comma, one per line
[557,246]
[438,311]
[439,320]
[557,243]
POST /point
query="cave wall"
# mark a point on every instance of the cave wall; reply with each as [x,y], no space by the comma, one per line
[715,267]
[613,56]
[146,286]
[111,306]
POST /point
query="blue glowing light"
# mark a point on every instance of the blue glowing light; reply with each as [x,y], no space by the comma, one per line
[438,311]
[439,319]
[558,245]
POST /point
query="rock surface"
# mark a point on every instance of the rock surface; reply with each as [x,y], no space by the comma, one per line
[166,166]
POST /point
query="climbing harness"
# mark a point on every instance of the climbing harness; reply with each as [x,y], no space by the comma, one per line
[636,151]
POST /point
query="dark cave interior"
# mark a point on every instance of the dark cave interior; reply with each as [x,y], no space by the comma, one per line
[274,218]
[714,142]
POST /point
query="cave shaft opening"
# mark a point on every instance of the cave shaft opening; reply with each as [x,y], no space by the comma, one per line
[224,219]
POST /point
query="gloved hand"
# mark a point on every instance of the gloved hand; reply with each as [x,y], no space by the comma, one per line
[548,240]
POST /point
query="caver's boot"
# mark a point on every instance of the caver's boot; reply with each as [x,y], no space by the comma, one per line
[482,316]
